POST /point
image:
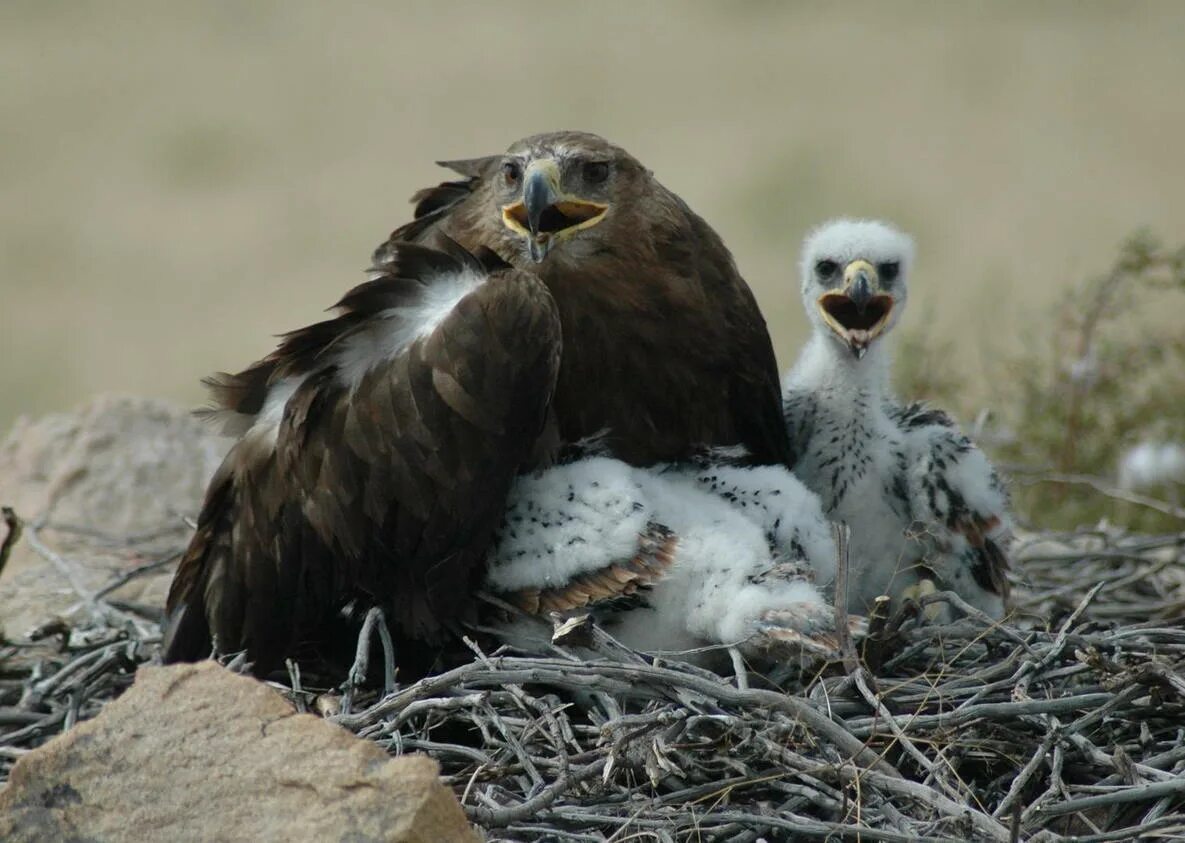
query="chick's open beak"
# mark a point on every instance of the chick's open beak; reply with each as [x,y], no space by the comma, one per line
[858,312]
[545,215]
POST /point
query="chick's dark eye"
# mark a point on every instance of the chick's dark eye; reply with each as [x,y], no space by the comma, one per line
[888,271]
[825,269]
[511,172]
[596,172]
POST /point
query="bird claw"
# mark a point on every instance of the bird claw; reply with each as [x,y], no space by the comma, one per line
[933,612]
[857,627]
[805,631]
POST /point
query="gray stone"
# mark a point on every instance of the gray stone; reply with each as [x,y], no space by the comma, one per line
[118,466]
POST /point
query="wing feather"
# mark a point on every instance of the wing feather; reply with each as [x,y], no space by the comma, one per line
[656,552]
[957,497]
[754,387]
[384,486]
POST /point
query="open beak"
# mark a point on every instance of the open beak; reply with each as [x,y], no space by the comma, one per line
[857,312]
[545,215]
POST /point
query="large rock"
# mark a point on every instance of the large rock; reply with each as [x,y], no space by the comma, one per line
[195,752]
[119,466]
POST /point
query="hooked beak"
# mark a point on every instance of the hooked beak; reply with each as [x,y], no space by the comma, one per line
[541,190]
[859,289]
[858,312]
[545,215]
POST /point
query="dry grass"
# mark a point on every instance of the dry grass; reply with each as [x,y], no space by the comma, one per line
[192,178]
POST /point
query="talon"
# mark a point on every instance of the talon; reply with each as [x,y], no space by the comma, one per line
[785,644]
[857,626]
[805,629]
[924,587]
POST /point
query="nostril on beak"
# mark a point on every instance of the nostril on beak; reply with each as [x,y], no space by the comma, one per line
[860,291]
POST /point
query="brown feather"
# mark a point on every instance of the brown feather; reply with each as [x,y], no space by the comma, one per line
[664,344]
[388,491]
[657,546]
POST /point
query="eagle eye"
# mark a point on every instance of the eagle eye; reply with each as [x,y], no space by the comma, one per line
[825,269]
[511,172]
[889,271]
[596,172]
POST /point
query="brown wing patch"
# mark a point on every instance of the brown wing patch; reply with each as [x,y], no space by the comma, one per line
[656,553]
[384,491]
[992,566]
[989,543]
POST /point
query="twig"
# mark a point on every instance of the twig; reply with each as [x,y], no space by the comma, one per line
[1142,793]
[1109,490]
[495,818]
[843,634]
[738,668]
[375,621]
[139,571]
[524,671]
[13,523]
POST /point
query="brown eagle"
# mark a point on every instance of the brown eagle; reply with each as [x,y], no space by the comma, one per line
[556,292]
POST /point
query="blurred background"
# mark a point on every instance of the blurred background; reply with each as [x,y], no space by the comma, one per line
[181,181]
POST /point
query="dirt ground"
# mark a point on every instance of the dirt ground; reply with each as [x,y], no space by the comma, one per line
[180,181]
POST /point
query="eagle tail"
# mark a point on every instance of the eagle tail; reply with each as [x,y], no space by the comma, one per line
[187,636]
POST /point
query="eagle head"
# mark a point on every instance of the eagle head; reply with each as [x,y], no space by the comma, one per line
[560,189]
[854,275]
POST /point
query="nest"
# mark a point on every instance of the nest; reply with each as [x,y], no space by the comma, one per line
[1067,721]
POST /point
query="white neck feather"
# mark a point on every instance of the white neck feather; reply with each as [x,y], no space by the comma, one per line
[826,366]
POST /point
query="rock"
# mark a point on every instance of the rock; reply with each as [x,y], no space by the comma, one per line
[195,752]
[117,467]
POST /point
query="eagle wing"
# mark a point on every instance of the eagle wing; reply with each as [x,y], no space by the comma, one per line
[375,456]
[959,504]
[754,389]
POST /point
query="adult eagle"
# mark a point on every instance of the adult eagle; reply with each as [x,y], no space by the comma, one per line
[557,292]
